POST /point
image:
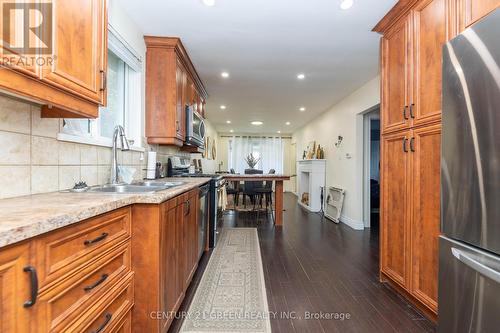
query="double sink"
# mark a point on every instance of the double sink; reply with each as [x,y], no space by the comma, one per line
[137,187]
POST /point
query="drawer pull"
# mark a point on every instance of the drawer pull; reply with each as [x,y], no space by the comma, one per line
[107,318]
[34,286]
[95,284]
[96,240]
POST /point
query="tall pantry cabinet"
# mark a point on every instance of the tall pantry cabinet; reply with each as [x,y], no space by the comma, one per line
[413,34]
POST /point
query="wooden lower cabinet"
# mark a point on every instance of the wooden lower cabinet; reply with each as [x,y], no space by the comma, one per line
[15,289]
[410,213]
[164,240]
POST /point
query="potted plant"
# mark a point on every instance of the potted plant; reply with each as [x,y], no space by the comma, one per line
[252,161]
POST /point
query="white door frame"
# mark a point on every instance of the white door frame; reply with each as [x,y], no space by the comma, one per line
[368,115]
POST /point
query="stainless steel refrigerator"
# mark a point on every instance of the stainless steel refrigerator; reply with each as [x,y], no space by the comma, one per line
[469,261]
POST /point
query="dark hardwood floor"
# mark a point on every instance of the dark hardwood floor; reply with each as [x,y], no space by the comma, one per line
[322,268]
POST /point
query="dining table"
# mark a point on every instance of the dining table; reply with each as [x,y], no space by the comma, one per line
[278,189]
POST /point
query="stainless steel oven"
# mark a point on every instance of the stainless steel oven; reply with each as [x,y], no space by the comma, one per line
[195,127]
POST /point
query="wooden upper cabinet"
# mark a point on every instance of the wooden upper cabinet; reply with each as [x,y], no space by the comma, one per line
[425,225]
[429,35]
[474,10]
[181,97]
[69,79]
[171,84]
[395,186]
[395,73]
[15,289]
[78,48]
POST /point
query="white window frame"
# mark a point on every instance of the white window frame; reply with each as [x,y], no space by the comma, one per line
[132,119]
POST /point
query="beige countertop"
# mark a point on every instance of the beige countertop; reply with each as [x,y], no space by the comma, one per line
[29,216]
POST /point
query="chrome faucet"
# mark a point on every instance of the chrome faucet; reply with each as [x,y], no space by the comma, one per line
[124,147]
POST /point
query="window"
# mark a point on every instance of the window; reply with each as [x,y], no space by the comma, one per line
[270,150]
[124,100]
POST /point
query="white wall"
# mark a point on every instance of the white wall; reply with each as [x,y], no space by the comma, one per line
[345,119]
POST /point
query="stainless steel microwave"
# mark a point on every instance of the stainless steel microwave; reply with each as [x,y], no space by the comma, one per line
[195,127]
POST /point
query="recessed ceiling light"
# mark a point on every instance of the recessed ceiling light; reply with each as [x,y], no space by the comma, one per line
[222,107]
[279,132]
[231,131]
[224,75]
[346,4]
[301,76]
[302,109]
[209,3]
[287,123]
[228,121]
[256,123]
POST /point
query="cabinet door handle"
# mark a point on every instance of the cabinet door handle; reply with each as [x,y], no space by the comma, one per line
[188,210]
[107,319]
[34,286]
[412,106]
[404,112]
[412,144]
[405,149]
[96,240]
[104,81]
[177,126]
[95,284]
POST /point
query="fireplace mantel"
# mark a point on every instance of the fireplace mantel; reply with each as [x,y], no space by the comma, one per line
[311,180]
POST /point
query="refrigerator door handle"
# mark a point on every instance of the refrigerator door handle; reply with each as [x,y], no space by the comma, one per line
[476,265]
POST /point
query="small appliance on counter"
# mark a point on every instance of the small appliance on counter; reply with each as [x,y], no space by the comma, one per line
[178,166]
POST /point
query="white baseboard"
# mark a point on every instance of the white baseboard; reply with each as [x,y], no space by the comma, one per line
[355,224]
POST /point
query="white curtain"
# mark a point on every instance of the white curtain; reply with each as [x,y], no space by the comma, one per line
[270,150]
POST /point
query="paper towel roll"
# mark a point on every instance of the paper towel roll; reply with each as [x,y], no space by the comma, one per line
[151,166]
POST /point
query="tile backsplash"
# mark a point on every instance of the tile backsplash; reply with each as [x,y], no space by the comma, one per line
[32,160]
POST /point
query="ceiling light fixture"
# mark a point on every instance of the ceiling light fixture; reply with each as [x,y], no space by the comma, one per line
[287,123]
[228,121]
[302,109]
[231,131]
[301,76]
[209,3]
[279,132]
[222,107]
[346,4]
[224,75]
[256,123]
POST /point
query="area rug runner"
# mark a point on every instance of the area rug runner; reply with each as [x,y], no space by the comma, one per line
[231,296]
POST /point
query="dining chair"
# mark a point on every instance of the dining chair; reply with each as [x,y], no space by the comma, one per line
[266,191]
[250,186]
[234,190]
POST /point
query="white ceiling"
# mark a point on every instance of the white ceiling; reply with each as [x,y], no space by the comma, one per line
[264,44]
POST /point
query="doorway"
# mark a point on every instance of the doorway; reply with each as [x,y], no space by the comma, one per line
[371,166]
